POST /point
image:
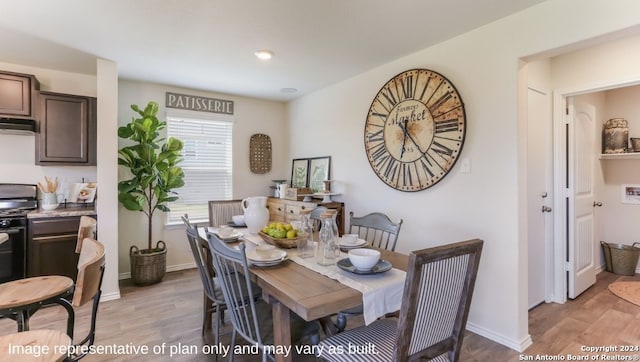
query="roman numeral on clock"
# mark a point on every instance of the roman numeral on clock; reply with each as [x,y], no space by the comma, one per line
[407,87]
[448,125]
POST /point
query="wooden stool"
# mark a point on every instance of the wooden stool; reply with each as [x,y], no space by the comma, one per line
[19,299]
[39,345]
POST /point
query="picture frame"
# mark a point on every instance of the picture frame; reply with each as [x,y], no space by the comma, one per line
[630,194]
[300,172]
[319,171]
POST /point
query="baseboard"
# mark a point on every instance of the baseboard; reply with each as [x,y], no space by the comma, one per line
[109,296]
[170,268]
[518,346]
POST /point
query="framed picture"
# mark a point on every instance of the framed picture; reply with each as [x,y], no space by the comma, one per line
[631,194]
[300,172]
[319,170]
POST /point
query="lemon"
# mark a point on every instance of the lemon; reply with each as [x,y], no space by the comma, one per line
[288,227]
[291,234]
[265,230]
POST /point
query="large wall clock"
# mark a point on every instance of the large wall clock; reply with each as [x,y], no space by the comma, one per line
[415,130]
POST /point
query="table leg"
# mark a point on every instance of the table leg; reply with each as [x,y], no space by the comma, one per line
[281,328]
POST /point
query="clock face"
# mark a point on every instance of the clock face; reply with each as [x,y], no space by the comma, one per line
[415,130]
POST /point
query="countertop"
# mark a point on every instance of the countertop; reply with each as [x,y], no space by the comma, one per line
[61,211]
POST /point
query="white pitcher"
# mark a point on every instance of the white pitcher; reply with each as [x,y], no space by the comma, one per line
[256,214]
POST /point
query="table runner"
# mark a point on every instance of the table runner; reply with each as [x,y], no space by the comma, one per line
[381,293]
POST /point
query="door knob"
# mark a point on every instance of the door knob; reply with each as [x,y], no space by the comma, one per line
[597,203]
[544,194]
[546,208]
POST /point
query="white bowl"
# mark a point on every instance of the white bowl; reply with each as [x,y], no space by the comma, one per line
[225,231]
[364,259]
[238,219]
[350,239]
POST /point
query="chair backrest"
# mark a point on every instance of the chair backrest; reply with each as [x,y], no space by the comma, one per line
[234,279]
[88,287]
[377,228]
[90,271]
[435,305]
[87,229]
[202,257]
[222,211]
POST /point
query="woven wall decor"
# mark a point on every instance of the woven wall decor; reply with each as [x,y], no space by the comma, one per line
[260,153]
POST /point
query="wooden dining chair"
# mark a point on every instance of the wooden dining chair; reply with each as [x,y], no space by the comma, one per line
[222,211]
[213,299]
[435,306]
[251,318]
[87,288]
[380,232]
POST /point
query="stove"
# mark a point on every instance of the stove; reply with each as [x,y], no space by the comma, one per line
[16,200]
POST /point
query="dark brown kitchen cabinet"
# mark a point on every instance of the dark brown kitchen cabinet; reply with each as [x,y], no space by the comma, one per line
[67,133]
[18,94]
[51,247]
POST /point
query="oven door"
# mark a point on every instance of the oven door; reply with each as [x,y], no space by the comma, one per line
[12,254]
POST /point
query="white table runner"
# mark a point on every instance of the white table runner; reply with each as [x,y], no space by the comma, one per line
[381,293]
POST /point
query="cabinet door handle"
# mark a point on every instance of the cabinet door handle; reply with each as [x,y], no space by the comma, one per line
[54,237]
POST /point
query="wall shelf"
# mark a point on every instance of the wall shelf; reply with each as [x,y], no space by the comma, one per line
[621,156]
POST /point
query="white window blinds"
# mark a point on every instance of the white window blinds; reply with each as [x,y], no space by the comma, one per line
[207,165]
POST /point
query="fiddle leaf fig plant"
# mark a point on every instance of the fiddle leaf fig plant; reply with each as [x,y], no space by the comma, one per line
[152,163]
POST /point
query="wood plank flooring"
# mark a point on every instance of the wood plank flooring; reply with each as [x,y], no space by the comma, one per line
[169,314]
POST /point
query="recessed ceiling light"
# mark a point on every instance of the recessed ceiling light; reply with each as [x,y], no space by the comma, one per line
[264,54]
[288,90]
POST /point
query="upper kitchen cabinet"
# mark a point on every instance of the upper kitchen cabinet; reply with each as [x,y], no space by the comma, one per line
[18,95]
[67,133]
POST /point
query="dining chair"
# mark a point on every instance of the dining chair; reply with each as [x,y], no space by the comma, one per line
[222,211]
[377,228]
[87,288]
[213,299]
[435,306]
[251,318]
[379,231]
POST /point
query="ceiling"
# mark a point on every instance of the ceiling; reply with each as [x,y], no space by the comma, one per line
[210,44]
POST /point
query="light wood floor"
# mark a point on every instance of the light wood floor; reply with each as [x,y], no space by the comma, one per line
[169,313]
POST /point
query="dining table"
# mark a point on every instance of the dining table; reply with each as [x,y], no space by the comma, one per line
[291,286]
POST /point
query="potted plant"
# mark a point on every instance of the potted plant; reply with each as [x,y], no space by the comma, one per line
[153,165]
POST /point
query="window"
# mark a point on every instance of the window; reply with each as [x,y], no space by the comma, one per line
[207,164]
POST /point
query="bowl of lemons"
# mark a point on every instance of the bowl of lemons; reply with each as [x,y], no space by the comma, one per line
[280,234]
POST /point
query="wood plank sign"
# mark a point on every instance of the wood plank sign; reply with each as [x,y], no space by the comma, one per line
[197,103]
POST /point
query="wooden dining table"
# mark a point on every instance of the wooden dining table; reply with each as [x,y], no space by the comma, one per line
[289,286]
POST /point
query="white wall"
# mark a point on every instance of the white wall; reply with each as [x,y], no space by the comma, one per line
[250,116]
[21,166]
[483,65]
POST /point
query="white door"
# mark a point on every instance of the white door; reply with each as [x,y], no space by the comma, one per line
[539,198]
[582,129]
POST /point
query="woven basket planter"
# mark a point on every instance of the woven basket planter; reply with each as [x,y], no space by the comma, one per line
[148,267]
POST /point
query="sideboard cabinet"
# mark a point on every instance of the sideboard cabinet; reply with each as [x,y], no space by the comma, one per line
[284,210]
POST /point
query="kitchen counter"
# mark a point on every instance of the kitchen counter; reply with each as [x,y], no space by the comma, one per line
[61,211]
